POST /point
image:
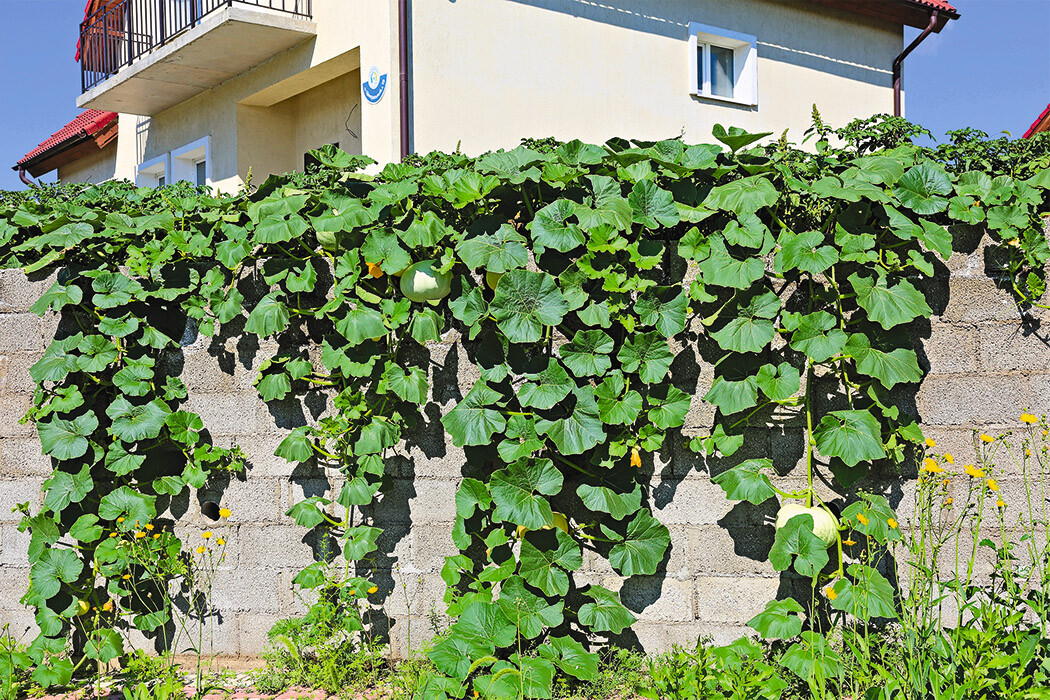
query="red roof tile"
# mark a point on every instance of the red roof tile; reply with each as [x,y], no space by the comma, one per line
[936,5]
[86,123]
[1041,123]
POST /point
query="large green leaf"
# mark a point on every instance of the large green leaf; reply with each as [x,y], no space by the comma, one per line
[606,613]
[360,324]
[544,566]
[732,396]
[124,503]
[382,248]
[812,659]
[579,431]
[795,542]
[805,252]
[746,195]
[65,439]
[663,307]
[606,205]
[56,567]
[606,500]
[779,383]
[652,206]
[668,406]
[570,656]
[588,353]
[551,229]
[867,595]
[641,549]
[648,355]
[889,306]
[853,436]
[752,330]
[472,421]
[747,482]
[780,620]
[269,317]
[64,488]
[525,302]
[519,490]
[921,189]
[526,611]
[615,406]
[898,366]
[815,335]
[721,269]
[136,422]
[496,252]
[545,389]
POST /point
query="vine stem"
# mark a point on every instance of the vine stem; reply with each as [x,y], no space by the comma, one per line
[809,433]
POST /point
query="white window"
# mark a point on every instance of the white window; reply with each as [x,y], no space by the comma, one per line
[155,172]
[192,162]
[723,65]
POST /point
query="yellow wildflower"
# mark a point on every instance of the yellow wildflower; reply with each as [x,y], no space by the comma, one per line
[948,458]
[892,523]
[1046,432]
[224,512]
[374,270]
[849,542]
[120,520]
[1000,503]
[948,501]
[928,465]
[974,472]
[930,442]
[476,695]
[373,589]
[221,542]
[139,535]
[156,535]
[987,438]
[206,535]
[112,534]
[992,485]
[108,605]
[126,576]
[149,526]
[352,591]
[945,482]
[200,550]
[830,593]
[862,519]
[636,458]
[1028,418]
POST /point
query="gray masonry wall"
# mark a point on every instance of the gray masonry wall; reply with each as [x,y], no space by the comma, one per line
[985,363]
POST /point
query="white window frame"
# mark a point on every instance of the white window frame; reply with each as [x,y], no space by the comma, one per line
[149,172]
[184,161]
[745,63]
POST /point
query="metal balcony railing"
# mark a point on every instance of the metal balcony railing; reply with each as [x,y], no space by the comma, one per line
[121,31]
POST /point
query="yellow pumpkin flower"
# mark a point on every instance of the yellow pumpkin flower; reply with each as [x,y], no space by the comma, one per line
[986,438]
[849,542]
[374,270]
[126,577]
[224,512]
[1029,418]
[992,485]
[373,589]
[636,457]
[974,472]
[930,442]
[830,593]
[892,523]
[928,465]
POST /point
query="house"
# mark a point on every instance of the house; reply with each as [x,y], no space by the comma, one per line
[208,90]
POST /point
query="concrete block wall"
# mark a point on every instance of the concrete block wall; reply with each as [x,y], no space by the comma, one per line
[984,362]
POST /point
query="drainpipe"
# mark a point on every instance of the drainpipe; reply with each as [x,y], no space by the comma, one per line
[898,63]
[23,178]
[402,45]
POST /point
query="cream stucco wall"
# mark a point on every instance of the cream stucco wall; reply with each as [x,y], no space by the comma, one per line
[97,167]
[487,73]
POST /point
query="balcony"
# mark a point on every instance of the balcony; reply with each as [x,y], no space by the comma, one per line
[145,56]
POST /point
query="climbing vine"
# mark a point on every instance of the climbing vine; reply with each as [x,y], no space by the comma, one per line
[576,277]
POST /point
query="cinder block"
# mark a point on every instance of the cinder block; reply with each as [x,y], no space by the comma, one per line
[731,599]
[255,500]
[21,457]
[431,543]
[19,293]
[658,599]
[735,551]
[1006,347]
[23,490]
[694,501]
[225,414]
[952,348]
[202,372]
[21,332]
[14,546]
[975,300]
[252,628]
[434,501]
[12,408]
[972,400]
[243,589]
[287,546]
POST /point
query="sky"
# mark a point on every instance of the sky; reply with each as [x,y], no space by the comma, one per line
[990,70]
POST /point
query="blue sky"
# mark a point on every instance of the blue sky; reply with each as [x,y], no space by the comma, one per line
[989,70]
